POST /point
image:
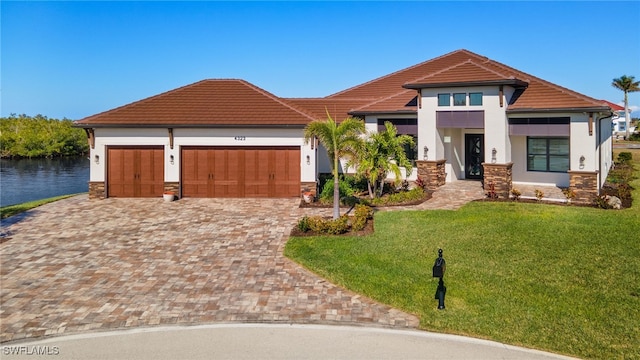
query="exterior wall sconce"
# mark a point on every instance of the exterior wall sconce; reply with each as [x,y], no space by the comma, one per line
[582,162]
[494,152]
[308,160]
[171,159]
[425,153]
[97,159]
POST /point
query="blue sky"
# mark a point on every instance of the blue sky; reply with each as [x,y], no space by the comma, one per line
[75,59]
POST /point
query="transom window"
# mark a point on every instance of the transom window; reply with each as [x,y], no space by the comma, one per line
[460,99]
[444,99]
[548,154]
[475,99]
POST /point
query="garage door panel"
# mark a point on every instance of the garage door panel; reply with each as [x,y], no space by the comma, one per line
[135,172]
[151,174]
[241,172]
[287,173]
[195,173]
[256,176]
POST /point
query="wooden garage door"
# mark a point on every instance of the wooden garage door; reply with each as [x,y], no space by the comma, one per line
[240,172]
[135,172]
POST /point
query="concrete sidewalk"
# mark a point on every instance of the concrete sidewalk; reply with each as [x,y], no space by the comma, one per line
[269,341]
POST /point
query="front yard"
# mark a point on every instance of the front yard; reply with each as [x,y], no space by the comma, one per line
[558,278]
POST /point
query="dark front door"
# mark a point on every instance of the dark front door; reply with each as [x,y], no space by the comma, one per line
[474,156]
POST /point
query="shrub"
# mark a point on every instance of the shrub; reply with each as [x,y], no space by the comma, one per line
[361,214]
[345,189]
[625,157]
[569,194]
[303,224]
[601,202]
[491,193]
[317,224]
[328,226]
[400,197]
[338,226]
[516,194]
[539,194]
[421,183]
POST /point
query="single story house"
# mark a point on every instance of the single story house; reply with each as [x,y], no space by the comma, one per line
[472,118]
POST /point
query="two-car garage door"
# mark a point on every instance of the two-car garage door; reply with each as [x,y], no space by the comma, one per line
[240,172]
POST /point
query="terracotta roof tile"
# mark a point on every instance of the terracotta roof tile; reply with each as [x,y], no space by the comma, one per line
[207,102]
[614,107]
[463,65]
[339,109]
[468,71]
[404,101]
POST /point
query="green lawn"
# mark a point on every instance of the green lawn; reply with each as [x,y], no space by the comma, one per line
[11,210]
[553,277]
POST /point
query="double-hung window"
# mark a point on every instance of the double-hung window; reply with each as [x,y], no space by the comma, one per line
[548,154]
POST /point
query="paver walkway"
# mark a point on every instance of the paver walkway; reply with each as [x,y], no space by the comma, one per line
[79,265]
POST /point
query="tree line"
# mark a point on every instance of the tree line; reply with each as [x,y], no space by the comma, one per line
[23,136]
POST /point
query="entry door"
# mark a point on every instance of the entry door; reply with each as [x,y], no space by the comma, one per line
[474,156]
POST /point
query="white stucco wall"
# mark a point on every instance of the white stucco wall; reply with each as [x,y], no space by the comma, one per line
[198,137]
[448,143]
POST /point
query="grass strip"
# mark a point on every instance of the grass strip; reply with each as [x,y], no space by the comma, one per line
[7,211]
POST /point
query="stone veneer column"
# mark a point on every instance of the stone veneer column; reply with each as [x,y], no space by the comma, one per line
[432,173]
[501,176]
[584,184]
[173,187]
[96,190]
[308,186]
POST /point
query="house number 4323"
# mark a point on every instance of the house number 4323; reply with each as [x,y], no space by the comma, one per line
[241,138]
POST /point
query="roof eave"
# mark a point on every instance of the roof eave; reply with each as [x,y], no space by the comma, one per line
[373,112]
[551,110]
[512,82]
[186,126]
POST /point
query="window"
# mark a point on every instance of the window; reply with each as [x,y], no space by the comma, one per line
[475,99]
[444,99]
[548,154]
[460,99]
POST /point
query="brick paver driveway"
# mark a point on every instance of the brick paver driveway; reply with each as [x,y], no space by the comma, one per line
[78,265]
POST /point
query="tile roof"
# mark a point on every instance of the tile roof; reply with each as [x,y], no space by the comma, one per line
[614,107]
[463,66]
[232,102]
[207,102]
[403,102]
[339,109]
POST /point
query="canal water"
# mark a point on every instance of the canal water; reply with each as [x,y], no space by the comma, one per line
[33,179]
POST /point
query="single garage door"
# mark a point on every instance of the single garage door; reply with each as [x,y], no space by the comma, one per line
[135,171]
[240,172]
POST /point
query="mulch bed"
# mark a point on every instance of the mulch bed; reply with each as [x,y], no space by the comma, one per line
[318,204]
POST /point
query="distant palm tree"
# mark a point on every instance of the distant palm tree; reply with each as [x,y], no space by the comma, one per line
[626,84]
[340,140]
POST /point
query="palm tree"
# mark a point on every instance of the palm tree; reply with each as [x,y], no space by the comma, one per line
[383,153]
[626,84]
[340,140]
